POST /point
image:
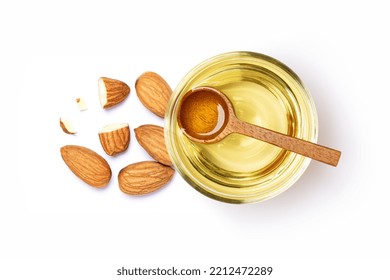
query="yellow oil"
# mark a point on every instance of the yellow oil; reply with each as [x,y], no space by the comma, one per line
[239,168]
[239,155]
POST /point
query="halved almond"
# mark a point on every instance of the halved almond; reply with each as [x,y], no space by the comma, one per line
[112,92]
[115,138]
[67,127]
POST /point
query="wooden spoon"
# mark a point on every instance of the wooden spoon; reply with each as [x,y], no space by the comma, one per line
[206,115]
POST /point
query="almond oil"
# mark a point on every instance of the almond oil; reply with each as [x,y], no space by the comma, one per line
[241,169]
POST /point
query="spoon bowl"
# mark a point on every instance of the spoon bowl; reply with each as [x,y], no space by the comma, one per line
[204,114]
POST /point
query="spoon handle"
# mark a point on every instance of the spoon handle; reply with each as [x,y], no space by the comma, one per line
[296,145]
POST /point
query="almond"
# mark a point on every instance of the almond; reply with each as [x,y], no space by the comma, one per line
[144,177]
[87,165]
[153,92]
[112,92]
[81,104]
[151,138]
[115,138]
[67,127]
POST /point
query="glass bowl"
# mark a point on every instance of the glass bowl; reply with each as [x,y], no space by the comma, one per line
[240,169]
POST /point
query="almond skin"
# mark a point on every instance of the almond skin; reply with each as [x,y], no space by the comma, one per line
[144,177]
[115,138]
[87,165]
[153,92]
[112,92]
[151,138]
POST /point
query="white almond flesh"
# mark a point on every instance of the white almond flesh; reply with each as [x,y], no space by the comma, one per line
[102,92]
[81,104]
[112,127]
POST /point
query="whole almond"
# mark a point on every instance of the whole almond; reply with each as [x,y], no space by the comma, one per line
[151,138]
[87,165]
[112,92]
[153,92]
[144,177]
[115,138]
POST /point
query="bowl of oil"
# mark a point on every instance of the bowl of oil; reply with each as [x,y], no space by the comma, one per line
[240,169]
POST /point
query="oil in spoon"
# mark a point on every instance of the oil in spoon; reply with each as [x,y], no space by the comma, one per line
[203,114]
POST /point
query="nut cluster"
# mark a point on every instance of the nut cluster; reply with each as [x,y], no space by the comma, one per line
[138,178]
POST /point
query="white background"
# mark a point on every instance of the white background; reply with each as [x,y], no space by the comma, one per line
[332,224]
